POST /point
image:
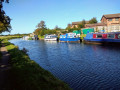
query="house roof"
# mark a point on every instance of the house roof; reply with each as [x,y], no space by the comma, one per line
[76,23]
[94,25]
[111,16]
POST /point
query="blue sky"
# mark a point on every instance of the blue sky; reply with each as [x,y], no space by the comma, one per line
[26,14]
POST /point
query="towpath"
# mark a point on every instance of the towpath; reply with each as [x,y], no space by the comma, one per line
[4,68]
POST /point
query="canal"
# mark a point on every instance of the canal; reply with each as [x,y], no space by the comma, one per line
[81,66]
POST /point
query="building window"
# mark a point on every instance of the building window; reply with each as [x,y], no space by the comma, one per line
[110,36]
[109,19]
[119,36]
[116,19]
[99,36]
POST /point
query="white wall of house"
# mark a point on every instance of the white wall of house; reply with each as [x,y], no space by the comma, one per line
[110,28]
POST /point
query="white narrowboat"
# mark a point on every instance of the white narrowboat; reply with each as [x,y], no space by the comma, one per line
[50,37]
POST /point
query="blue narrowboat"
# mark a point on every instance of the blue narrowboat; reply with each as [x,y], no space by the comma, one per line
[69,37]
[112,37]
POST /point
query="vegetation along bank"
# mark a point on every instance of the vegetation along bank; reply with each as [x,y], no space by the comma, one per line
[25,74]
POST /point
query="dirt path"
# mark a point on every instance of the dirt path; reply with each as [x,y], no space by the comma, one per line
[4,68]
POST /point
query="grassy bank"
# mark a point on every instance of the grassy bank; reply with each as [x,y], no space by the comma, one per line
[9,37]
[0,52]
[25,74]
[40,37]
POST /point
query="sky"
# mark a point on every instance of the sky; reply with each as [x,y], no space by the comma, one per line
[26,14]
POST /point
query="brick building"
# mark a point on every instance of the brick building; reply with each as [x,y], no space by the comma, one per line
[109,22]
[75,24]
[111,19]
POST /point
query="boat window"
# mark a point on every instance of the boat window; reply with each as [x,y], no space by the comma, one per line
[99,36]
[64,37]
[48,36]
[110,36]
[119,36]
[53,36]
[71,37]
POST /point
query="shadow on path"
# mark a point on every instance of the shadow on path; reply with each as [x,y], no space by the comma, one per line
[4,68]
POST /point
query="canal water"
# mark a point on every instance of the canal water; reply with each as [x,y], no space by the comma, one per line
[81,66]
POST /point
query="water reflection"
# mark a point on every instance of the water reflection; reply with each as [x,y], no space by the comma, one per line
[82,66]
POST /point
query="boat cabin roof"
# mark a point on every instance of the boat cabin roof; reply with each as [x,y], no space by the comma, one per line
[50,35]
[108,33]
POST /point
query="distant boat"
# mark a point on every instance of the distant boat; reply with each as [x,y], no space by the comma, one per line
[26,37]
[50,37]
[112,37]
[69,37]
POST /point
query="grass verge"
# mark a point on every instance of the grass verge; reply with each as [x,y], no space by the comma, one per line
[25,74]
[40,37]
[0,48]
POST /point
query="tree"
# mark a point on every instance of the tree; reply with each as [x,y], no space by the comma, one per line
[37,31]
[96,30]
[57,28]
[80,26]
[68,26]
[93,20]
[83,22]
[41,25]
[4,19]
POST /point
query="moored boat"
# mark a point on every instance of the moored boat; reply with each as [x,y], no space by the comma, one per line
[69,37]
[51,37]
[112,37]
[26,37]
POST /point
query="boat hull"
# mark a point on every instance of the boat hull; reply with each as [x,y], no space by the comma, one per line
[104,38]
[69,39]
[102,41]
[50,39]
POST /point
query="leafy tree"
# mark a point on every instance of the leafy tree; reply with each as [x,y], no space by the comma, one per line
[80,26]
[41,25]
[57,28]
[83,23]
[4,19]
[68,26]
[37,31]
[93,20]
[96,29]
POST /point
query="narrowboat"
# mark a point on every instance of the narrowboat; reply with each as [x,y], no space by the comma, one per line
[112,37]
[69,37]
[50,37]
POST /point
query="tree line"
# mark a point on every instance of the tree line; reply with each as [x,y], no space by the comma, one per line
[42,29]
[81,24]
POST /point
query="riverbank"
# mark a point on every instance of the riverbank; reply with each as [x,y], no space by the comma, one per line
[41,37]
[25,74]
